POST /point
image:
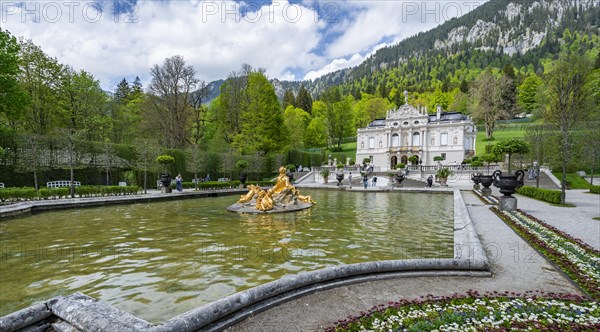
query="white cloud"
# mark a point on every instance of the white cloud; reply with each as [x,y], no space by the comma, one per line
[209,35]
[334,65]
[214,38]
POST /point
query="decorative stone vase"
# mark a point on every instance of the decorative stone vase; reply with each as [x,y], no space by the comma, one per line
[443,182]
[243,178]
[399,178]
[476,179]
[486,181]
[339,177]
[508,184]
[165,179]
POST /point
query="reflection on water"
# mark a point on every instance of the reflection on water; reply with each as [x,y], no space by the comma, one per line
[161,259]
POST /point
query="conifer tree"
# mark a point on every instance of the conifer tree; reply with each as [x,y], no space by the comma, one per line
[304,100]
[288,99]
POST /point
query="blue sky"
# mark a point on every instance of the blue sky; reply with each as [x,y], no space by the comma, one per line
[292,40]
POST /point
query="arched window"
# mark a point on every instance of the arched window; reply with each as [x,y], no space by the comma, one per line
[416,139]
[395,140]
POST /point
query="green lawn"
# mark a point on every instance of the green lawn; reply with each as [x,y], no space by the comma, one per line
[348,151]
[575,181]
[499,135]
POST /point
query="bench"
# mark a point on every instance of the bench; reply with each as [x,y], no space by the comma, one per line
[57,184]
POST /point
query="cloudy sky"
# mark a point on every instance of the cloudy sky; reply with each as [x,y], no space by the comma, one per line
[292,40]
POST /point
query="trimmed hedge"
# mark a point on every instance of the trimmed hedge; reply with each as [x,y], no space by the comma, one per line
[595,189]
[222,185]
[26,194]
[546,195]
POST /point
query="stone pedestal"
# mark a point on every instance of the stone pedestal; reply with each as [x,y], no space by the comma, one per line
[507,203]
[166,190]
[486,191]
[476,187]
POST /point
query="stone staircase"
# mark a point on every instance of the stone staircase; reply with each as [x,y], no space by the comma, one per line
[545,181]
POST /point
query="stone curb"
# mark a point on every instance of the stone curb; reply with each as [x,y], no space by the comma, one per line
[25,208]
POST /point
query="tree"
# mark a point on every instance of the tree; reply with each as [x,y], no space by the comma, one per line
[40,76]
[230,104]
[528,93]
[316,132]
[509,147]
[304,100]
[567,103]
[508,92]
[200,116]
[123,92]
[487,102]
[296,120]
[288,99]
[170,90]
[82,105]
[262,127]
[13,98]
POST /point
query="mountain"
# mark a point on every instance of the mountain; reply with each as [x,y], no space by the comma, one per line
[522,33]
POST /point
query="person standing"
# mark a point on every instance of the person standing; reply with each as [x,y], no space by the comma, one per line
[429,181]
[350,179]
[374,180]
[365,180]
[179,183]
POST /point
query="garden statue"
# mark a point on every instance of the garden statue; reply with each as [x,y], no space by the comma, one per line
[282,197]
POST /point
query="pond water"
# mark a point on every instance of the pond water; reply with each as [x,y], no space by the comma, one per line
[159,260]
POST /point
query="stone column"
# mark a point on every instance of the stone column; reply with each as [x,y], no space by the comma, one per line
[507,203]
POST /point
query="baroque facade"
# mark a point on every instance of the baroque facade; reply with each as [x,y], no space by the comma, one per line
[408,131]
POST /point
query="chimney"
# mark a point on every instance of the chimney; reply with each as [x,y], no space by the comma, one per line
[439,112]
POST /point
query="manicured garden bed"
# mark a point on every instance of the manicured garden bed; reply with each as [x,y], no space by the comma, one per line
[577,259]
[480,312]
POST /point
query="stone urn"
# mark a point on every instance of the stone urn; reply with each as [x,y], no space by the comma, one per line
[339,177]
[508,184]
[243,178]
[486,181]
[165,179]
[399,178]
[476,180]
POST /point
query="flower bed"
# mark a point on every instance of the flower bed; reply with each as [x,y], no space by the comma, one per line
[578,260]
[492,312]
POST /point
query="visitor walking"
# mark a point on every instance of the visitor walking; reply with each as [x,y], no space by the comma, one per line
[429,181]
[179,183]
[365,180]
[375,181]
[350,179]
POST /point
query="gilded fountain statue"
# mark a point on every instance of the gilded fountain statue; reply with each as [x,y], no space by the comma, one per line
[283,197]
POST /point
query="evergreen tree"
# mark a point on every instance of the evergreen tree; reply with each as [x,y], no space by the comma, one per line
[136,87]
[288,99]
[262,125]
[464,87]
[528,93]
[304,100]
[508,92]
[123,92]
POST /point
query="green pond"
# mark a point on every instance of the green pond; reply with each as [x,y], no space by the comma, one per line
[159,260]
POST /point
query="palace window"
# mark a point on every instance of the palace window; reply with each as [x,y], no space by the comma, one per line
[416,139]
[444,139]
[371,142]
[395,140]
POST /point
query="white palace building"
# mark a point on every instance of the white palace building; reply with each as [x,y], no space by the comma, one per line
[409,131]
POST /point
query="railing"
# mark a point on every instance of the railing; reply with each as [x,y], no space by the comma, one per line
[56,184]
